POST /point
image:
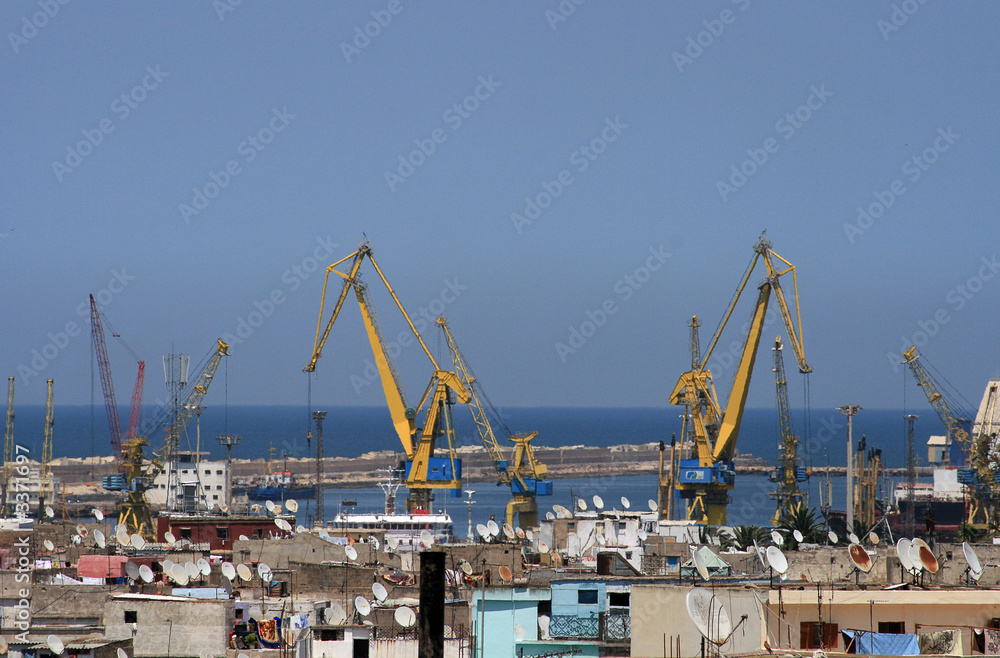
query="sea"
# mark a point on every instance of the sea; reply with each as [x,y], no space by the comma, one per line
[82,431]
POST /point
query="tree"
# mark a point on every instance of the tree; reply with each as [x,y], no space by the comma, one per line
[804,520]
[742,537]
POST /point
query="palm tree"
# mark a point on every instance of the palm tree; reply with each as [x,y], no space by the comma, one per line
[804,520]
[970,533]
[742,537]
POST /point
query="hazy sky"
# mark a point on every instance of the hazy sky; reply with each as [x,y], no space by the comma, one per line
[523,167]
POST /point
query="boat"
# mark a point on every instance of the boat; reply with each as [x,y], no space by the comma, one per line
[941,504]
[280,485]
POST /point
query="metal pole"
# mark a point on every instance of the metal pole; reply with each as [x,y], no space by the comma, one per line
[318,416]
[850,411]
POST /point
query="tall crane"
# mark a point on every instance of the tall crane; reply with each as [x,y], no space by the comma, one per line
[424,471]
[138,473]
[8,448]
[523,473]
[705,481]
[788,473]
[107,384]
[977,474]
[45,488]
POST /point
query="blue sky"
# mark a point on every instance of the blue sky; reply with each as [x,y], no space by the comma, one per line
[196,168]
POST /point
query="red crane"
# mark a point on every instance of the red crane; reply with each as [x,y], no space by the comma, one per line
[110,404]
[134,408]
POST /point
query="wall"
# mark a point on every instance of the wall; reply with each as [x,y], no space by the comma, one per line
[197,626]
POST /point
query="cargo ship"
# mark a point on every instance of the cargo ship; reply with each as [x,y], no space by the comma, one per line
[279,485]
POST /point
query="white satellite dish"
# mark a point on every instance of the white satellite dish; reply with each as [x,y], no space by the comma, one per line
[777,538]
[264,571]
[466,568]
[482,530]
[709,615]
[598,502]
[292,505]
[335,614]
[873,538]
[393,543]
[641,535]
[269,505]
[519,631]
[508,531]
[351,553]
[549,516]
[192,570]
[832,536]
[98,514]
[228,570]
[100,539]
[427,539]
[653,507]
[776,560]
[543,548]
[56,645]
[3,645]
[405,617]
[283,525]
[797,535]
[699,564]
[581,504]
[167,565]
[520,533]
[491,525]
[853,538]
[121,653]
[761,555]
[122,536]
[903,553]
[362,605]
[49,546]
[380,592]
[975,566]
[179,575]
[860,558]
[132,570]
[49,512]
[626,503]
[300,528]
[243,538]
[169,538]
[243,571]
[138,543]
[562,512]
[146,573]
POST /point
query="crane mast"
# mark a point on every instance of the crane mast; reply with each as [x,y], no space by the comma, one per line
[8,448]
[107,385]
[45,490]
[523,473]
[788,494]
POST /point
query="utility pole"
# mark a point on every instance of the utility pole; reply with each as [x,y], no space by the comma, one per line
[911,476]
[850,410]
[470,503]
[229,440]
[318,416]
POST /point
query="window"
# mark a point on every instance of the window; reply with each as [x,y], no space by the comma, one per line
[218,472]
[571,526]
[222,532]
[897,627]
[215,497]
[818,635]
[586,596]
[208,471]
[185,533]
[218,487]
[258,533]
[328,634]
[131,617]
[618,599]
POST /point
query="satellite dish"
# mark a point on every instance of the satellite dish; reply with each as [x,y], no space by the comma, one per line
[225,508]
[323,533]
[179,575]
[169,538]
[777,538]
[549,516]
[405,617]
[427,539]
[519,631]
[167,565]
[49,546]
[277,509]
[505,573]
[375,543]
[204,568]
[269,505]
[56,645]
[192,570]
[243,571]
[832,536]
[797,535]
[708,615]
[3,645]
[122,536]
[491,525]
[146,573]
[351,553]
[927,559]
[132,570]
[228,570]
[917,541]
[335,614]
[362,605]
[860,557]
[598,502]
[975,567]
[760,554]
[853,538]
[699,564]
[520,533]
[903,553]
[138,543]
[562,512]
[653,507]
[393,543]
[244,538]
[100,539]
[508,531]
[466,568]
[543,547]
[264,571]
[626,503]
[873,538]
[76,539]
[292,505]
[776,560]
[300,528]
[121,653]
[283,525]
[81,530]
[98,514]
[641,534]
[380,592]
[49,512]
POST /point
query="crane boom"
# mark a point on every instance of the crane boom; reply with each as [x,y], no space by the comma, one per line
[8,448]
[135,408]
[788,495]
[107,385]
[45,490]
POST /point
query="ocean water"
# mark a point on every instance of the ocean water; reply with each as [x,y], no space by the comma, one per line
[82,431]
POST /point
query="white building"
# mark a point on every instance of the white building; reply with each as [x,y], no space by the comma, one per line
[198,485]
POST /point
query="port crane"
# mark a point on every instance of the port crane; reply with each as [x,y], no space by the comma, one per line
[788,473]
[977,471]
[522,472]
[45,487]
[424,472]
[8,449]
[704,482]
[136,473]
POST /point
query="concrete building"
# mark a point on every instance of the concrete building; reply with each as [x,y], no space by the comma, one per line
[170,625]
[199,485]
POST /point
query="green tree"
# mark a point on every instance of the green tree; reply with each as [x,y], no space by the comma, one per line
[804,520]
[742,537]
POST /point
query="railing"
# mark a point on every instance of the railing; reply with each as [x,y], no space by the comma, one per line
[607,626]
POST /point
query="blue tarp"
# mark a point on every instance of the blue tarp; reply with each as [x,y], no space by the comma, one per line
[883,644]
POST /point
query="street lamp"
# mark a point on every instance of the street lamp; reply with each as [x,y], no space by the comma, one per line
[229,440]
[850,410]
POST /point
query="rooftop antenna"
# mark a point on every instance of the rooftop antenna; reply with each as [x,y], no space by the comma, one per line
[469,503]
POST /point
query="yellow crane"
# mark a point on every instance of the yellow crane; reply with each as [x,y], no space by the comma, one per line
[977,473]
[424,471]
[45,488]
[704,482]
[8,449]
[523,473]
[137,473]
